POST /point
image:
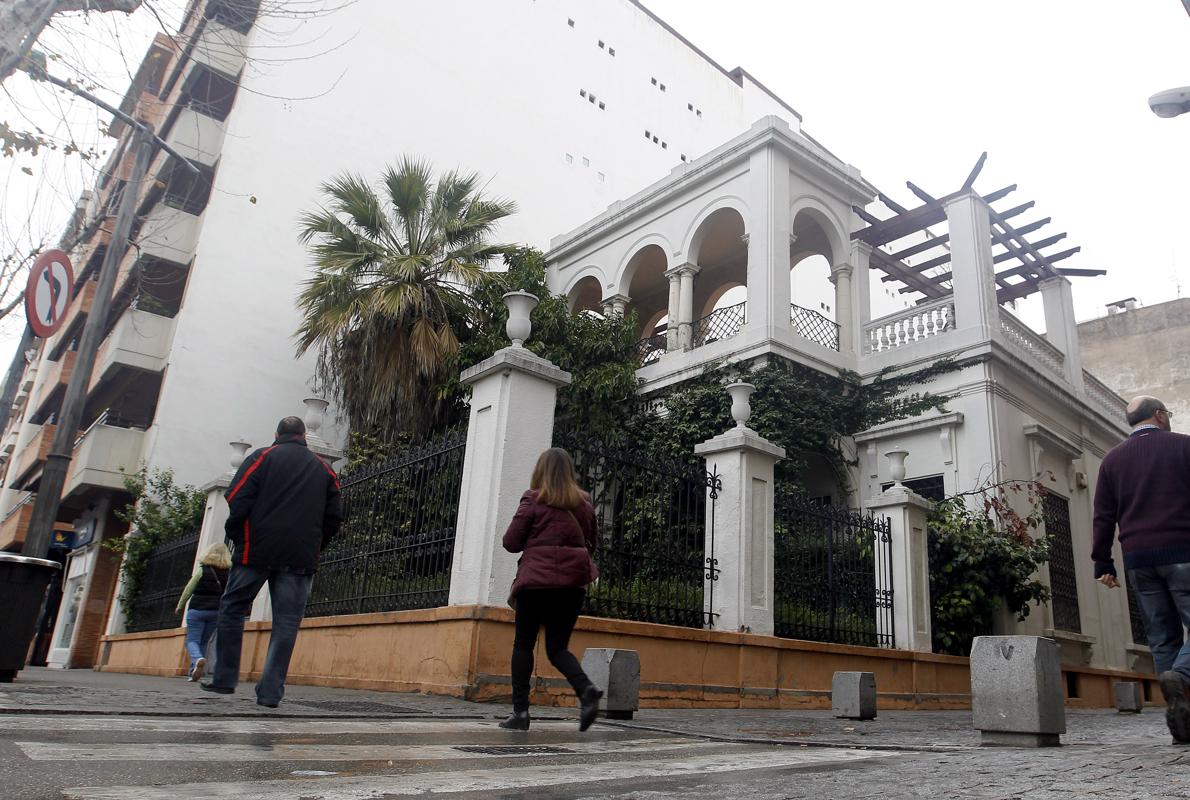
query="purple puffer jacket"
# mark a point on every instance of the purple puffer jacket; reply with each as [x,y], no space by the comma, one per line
[555,551]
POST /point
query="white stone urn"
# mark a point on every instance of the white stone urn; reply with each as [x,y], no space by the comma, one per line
[896,464]
[315,408]
[741,408]
[238,451]
[520,305]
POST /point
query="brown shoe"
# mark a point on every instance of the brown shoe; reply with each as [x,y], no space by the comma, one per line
[200,668]
[1176,690]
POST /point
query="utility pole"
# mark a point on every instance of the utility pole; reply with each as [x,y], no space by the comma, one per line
[53,474]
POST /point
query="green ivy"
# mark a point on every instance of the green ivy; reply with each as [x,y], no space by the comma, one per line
[983,557]
[160,511]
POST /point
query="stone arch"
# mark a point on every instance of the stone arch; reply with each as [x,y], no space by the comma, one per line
[647,287]
[586,293]
[693,239]
[832,228]
[815,248]
[628,265]
[719,247]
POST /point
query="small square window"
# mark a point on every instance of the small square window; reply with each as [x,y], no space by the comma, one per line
[690,106]
[654,80]
[582,92]
[683,156]
[648,135]
[665,145]
[586,161]
[591,98]
[663,87]
[655,140]
[569,158]
[611,51]
[570,22]
[601,45]
[601,177]
[698,112]
[601,105]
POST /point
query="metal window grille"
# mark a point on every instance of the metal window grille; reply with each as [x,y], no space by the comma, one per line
[809,324]
[1063,579]
[650,349]
[1136,618]
[396,545]
[653,559]
[832,574]
[722,323]
[167,570]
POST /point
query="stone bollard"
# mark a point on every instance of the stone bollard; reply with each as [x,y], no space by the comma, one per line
[617,672]
[1016,691]
[1129,697]
[853,695]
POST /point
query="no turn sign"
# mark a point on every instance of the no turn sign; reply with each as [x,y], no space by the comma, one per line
[48,294]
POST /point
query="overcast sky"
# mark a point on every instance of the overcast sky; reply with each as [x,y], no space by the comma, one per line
[1054,90]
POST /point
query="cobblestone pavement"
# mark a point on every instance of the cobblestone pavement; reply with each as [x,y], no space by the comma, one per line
[161,739]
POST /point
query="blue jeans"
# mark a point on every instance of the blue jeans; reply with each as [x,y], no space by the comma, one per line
[289,592]
[200,627]
[1164,594]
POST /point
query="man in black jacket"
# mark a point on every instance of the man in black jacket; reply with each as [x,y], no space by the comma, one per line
[285,507]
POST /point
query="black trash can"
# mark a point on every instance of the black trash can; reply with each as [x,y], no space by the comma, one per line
[23,582]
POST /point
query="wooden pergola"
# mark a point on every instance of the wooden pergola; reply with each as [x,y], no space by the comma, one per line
[1025,263]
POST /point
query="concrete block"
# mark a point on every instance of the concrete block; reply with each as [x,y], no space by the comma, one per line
[1130,698]
[853,695]
[617,672]
[1016,691]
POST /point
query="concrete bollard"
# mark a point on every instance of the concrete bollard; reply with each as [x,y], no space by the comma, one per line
[1130,698]
[1016,691]
[617,672]
[853,695]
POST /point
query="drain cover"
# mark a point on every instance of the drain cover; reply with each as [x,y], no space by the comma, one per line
[513,750]
[356,706]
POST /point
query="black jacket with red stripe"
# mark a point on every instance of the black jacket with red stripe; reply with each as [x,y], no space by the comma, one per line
[285,507]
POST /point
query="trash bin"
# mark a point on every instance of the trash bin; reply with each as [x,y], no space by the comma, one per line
[23,582]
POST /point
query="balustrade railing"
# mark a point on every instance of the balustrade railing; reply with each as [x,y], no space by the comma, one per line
[809,324]
[1103,396]
[1033,344]
[911,325]
[722,323]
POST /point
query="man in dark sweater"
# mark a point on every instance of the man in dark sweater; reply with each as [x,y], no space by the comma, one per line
[1144,488]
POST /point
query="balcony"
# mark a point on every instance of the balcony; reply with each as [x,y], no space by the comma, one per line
[196,136]
[169,234]
[905,328]
[220,48]
[33,456]
[104,454]
[15,525]
[57,376]
[139,341]
[80,306]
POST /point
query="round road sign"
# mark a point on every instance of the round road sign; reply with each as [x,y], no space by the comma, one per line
[48,294]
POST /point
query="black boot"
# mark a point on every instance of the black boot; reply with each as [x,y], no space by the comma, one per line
[517,721]
[590,706]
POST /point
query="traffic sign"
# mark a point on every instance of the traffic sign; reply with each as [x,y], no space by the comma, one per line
[48,293]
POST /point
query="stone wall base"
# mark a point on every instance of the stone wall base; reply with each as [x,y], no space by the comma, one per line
[464,651]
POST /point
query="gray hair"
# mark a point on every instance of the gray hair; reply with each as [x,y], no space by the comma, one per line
[1143,408]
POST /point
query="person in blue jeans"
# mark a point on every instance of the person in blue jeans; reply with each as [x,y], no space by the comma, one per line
[1144,489]
[284,509]
[204,592]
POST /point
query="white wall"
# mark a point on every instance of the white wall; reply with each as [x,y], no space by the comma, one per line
[492,87]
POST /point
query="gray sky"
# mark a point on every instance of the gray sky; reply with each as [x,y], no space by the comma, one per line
[1054,90]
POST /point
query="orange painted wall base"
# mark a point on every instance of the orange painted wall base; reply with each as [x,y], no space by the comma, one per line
[463,651]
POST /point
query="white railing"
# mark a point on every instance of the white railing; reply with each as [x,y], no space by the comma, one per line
[1032,344]
[908,326]
[1102,395]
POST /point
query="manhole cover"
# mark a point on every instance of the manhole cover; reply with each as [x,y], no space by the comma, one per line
[513,750]
[356,706]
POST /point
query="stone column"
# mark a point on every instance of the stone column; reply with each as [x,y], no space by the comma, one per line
[671,326]
[910,567]
[512,421]
[686,274]
[740,534]
[616,305]
[972,267]
[841,278]
[768,226]
[1061,328]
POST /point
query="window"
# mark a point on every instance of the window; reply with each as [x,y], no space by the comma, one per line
[690,106]
[698,111]
[601,45]
[586,161]
[570,22]
[601,105]
[582,92]
[569,158]
[601,177]
[654,81]
[611,51]
[1063,576]
[662,87]
[683,156]
[665,145]
[648,135]
[931,487]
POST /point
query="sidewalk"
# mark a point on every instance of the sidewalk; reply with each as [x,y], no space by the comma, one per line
[46,691]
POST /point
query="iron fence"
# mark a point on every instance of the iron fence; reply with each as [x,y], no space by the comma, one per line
[809,324]
[722,323]
[654,561]
[651,348]
[167,570]
[832,574]
[396,545]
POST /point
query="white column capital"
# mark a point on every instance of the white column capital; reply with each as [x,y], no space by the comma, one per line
[678,271]
[844,270]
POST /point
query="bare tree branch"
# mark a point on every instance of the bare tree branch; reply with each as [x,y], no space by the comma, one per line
[22,21]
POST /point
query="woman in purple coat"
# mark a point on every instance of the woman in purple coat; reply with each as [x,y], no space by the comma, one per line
[554,531]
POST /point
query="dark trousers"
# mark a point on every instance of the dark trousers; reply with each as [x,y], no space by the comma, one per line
[1164,594]
[288,592]
[557,610]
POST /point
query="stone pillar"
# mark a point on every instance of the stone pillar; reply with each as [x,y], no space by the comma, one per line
[1061,328]
[512,421]
[740,535]
[674,312]
[841,278]
[910,567]
[974,273]
[617,306]
[768,225]
[686,274]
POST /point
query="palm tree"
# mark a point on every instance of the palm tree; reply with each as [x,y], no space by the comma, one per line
[390,295]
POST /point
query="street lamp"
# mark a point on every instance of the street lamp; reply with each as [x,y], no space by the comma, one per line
[1171,102]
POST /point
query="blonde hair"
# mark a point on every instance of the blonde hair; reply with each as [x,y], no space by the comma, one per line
[217,555]
[555,481]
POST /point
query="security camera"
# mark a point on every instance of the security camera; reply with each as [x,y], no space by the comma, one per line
[1171,102]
